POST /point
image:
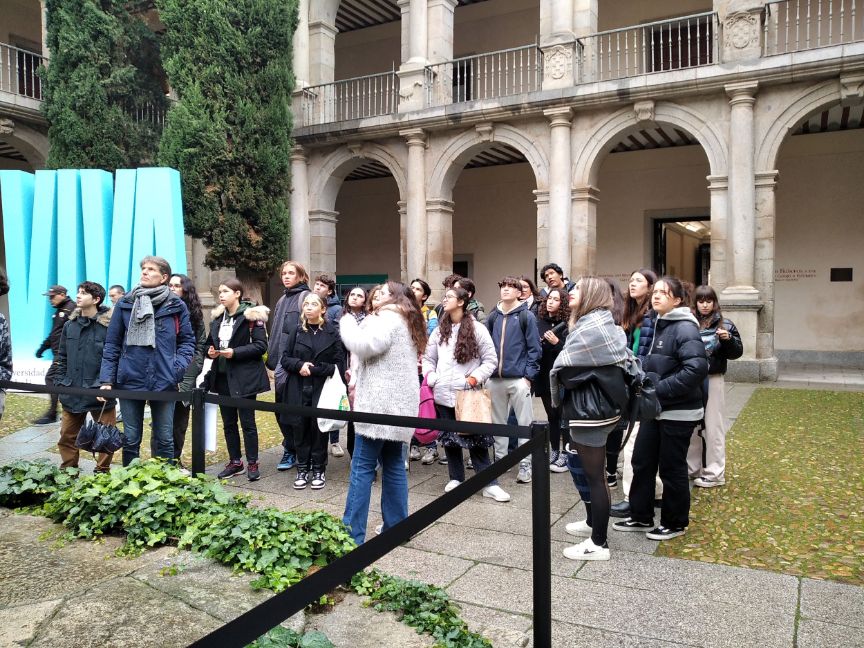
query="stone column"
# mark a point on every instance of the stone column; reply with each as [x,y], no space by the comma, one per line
[299,245]
[322,52]
[301,46]
[44,16]
[556,21]
[766,184]
[439,255]
[412,72]
[403,246]
[718,187]
[559,187]
[542,201]
[439,38]
[322,230]
[741,225]
[416,234]
[583,246]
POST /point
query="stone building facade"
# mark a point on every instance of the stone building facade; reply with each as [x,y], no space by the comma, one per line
[719,142]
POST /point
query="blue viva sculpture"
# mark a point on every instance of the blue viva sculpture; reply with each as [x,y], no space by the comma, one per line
[68,226]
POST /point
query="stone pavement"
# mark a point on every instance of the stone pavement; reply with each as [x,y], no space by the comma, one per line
[481,553]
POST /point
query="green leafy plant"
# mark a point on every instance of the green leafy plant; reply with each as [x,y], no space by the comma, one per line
[280,546]
[23,483]
[280,637]
[419,605]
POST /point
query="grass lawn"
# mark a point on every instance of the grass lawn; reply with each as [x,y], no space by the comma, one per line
[21,409]
[794,487]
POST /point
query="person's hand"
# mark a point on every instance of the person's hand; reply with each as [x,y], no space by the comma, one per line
[550,337]
[227,353]
[305,370]
[723,334]
[212,353]
[99,398]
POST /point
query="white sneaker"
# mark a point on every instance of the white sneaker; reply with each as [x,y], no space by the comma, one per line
[378,529]
[579,529]
[414,453]
[524,475]
[497,493]
[586,550]
[702,482]
[336,450]
[453,483]
[429,456]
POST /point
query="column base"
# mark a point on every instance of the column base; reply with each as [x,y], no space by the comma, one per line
[732,294]
[752,371]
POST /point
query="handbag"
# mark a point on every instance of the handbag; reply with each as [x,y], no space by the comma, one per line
[427,411]
[333,396]
[98,437]
[474,406]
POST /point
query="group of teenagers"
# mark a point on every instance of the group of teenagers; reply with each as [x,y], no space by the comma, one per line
[386,341]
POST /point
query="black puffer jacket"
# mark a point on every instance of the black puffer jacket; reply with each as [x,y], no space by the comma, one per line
[721,350]
[677,363]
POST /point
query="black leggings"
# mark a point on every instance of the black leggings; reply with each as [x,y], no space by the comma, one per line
[553,415]
[594,465]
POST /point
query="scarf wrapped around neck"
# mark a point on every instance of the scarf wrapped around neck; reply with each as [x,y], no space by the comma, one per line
[142,323]
[595,341]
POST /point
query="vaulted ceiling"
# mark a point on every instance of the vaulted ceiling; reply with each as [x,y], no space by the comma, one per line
[357,14]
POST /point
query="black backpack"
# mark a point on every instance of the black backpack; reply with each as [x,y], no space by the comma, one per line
[522,317]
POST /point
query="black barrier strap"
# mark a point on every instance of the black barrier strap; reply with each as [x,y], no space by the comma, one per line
[257,621]
[462,427]
[125,394]
[541,535]
[197,431]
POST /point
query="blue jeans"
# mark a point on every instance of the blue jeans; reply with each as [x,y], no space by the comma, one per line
[394,485]
[162,414]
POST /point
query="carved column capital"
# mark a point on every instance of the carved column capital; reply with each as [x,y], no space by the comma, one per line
[743,93]
[644,110]
[7,127]
[414,136]
[559,116]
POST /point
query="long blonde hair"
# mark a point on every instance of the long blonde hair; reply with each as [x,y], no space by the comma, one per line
[594,293]
[320,299]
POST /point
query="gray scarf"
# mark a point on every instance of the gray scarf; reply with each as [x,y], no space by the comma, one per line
[142,323]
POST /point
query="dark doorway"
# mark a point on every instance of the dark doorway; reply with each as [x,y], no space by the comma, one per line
[682,248]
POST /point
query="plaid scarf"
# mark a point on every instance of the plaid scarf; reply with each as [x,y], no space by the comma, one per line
[595,341]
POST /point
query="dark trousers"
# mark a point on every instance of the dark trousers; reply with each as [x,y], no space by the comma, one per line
[49,382]
[455,462]
[553,415]
[232,432]
[663,445]
[286,430]
[311,446]
[350,438]
[181,424]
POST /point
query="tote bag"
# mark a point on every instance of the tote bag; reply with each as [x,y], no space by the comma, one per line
[426,410]
[474,406]
[333,396]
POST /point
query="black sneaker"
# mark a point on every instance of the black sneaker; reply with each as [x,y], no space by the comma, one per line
[632,525]
[46,419]
[612,479]
[253,473]
[662,533]
[232,468]
[302,480]
[318,480]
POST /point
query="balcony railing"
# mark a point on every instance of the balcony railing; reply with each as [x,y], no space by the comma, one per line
[660,46]
[796,25]
[485,76]
[18,69]
[357,98]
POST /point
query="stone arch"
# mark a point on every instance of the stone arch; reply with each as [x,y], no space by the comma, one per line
[604,138]
[809,101]
[463,147]
[328,179]
[32,144]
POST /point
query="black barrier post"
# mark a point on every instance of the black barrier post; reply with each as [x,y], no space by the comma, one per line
[541,534]
[197,431]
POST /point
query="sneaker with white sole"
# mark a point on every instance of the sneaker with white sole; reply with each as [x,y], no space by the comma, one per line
[612,479]
[524,475]
[414,453]
[429,456]
[586,550]
[663,533]
[701,482]
[302,480]
[579,529]
[632,525]
[497,493]
[560,463]
[318,480]
[378,529]
[453,483]
[336,450]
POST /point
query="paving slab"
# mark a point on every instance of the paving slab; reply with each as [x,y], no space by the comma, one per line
[832,602]
[433,568]
[124,612]
[484,513]
[817,634]
[503,629]
[565,635]
[19,624]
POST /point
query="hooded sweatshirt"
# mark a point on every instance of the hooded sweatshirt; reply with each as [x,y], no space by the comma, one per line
[518,350]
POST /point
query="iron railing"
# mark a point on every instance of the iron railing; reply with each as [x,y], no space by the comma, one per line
[678,43]
[18,71]
[485,76]
[357,98]
[796,25]
[149,113]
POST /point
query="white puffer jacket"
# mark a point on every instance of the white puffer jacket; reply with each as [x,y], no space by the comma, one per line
[446,376]
[387,373]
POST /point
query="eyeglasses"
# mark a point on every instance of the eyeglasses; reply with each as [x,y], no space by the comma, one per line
[448,297]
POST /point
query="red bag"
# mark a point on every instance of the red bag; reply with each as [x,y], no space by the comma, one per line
[427,410]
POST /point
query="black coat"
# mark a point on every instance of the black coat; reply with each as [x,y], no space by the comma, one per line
[79,358]
[548,353]
[299,349]
[677,363]
[730,349]
[58,321]
[245,370]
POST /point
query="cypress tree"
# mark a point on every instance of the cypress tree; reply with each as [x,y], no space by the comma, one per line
[104,65]
[229,135]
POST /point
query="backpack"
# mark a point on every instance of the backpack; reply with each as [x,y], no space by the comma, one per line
[427,410]
[642,401]
[522,316]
